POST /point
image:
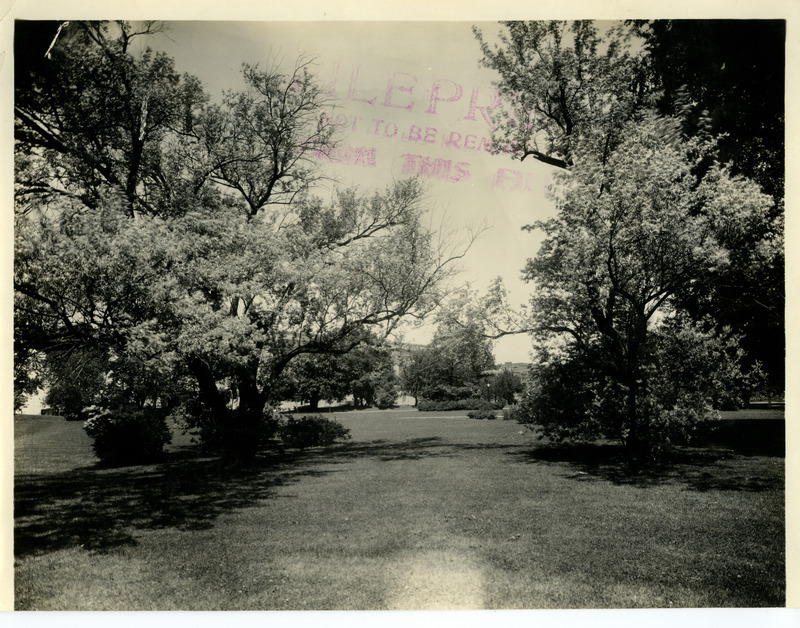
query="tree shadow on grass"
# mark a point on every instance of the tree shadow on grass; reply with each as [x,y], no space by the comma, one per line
[748,437]
[704,468]
[101,508]
[411,449]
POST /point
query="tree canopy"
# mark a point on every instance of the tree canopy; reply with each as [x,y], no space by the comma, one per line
[718,86]
[562,79]
[658,239]
[451,366]
[184,240]
[702,71]
[633,231]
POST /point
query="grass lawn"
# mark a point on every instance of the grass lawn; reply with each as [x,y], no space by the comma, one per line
[417,511]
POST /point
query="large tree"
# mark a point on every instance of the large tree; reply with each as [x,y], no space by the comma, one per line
[719,86]
[635,228]
[91,114]
[451,366]
[181,239]
[505,386]
[563,82]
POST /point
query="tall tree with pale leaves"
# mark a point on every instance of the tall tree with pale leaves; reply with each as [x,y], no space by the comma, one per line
[635,228]
[184,242]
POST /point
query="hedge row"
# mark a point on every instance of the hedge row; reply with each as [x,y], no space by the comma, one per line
[488,415]
[424,405]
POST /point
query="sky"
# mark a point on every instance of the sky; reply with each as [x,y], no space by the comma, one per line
[410,98]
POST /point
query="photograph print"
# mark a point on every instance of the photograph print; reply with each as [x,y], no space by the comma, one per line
[398,315]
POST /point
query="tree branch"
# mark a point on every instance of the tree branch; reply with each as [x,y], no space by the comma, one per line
[547,159]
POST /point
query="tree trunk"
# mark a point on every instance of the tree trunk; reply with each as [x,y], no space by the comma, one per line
[246,431]
[251,399]
[639,440]
[635,442]
[210,396]
[238,432]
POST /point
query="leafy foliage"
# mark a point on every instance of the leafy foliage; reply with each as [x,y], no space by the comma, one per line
[127,434]
[451,366]
[75,382]
[560,80]
[91,114]
[717,87]
[505,385]
[634,228]
[183,239]
[707,78]
[311,378]
[686,374]
[27,374]
[366,373]
[565,82]
[473,403]
[311,431]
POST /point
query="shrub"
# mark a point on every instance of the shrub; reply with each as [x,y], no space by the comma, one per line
[563,401]
[683,372]
[231,431]
[311,431]
[444,393]
[128,434]
[426,405]
[489,415]
[386,397]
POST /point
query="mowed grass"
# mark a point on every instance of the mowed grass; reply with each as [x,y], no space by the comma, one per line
[417,511]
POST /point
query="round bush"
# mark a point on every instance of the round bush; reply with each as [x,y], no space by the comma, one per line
[489,415]
[311,431]
[127,435]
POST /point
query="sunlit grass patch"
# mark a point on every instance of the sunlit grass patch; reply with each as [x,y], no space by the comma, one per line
[440,513]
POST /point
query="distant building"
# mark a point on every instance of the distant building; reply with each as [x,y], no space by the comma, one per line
[520,369]
[407,348]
